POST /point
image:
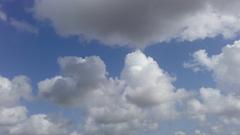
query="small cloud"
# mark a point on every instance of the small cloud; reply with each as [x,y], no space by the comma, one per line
[23,26]
[3,16]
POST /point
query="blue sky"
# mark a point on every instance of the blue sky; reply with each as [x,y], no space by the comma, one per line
[32,41]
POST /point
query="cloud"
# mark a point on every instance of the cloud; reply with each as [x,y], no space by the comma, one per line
[12,91]
[81,76]
[23,26]
[37,125]
[140,23]
[12,115]
[218,107]
[180,133]
[142,100]
[15,119]
[17,24]
[137,101]
[147,84]
[216,113]
[224,66]
[212,101]
[210,24]
[3,16]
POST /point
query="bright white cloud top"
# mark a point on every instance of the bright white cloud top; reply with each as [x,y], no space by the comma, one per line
[139,23]
[224,66]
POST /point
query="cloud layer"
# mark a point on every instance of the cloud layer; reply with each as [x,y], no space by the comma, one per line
[139,23]
[142,100]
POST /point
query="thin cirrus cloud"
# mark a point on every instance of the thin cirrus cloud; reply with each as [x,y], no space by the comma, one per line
[141,23]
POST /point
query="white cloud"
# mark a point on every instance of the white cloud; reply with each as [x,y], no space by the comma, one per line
[138,101]
[209,24]
[224,66]
[141,100]
[147,84]
[37,125]
[11,94]
[3,16]
[12,91]
[212,101]
[216,113]
[201,61]
[17,24]
[180,133]
[23,26]
[140,23]
[12,115]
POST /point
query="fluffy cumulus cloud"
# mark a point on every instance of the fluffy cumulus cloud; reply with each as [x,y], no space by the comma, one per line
[81,77]
[147,84]
[12,91]
[215,112]
[139,23]
[218,107]
[115,106]
[14,118]
[209,104]
[142,99]
[224,66]
[12,115]
[37,125]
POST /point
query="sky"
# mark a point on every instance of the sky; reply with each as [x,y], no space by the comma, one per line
[119,67]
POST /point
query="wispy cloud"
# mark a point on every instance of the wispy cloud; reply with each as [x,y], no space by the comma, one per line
[23,26]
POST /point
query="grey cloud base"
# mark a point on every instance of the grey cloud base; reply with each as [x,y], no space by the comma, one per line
[140,23]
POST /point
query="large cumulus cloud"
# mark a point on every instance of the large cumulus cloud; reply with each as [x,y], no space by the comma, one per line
[143,98]
[137,101]
[139,23]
